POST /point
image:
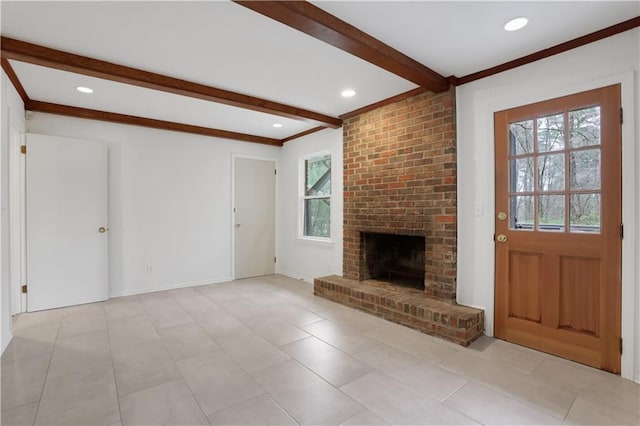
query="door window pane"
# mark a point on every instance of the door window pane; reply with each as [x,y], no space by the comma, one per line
[522,175]
[521,137]
[551,172]
[584,127]
[585,212]
[584,169]
[521,212]
[551,133]
[551,213]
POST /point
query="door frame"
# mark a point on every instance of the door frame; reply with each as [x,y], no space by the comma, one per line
[234,156]
[630,207]
[599,349]
[17,219]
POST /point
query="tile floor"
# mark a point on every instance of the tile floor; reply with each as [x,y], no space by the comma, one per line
[266,351]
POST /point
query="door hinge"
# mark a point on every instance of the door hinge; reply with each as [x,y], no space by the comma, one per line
[23,149]
[621,231]
[621,346]
[494,238]
[621,116]
[274,259]
[275,171]
[24,288]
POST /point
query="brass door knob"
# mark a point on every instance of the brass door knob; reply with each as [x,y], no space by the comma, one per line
[501,238]
[102,230]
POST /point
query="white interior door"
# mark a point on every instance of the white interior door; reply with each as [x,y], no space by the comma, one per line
[255,205]
[66,222]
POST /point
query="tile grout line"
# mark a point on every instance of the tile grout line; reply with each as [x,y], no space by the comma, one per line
[511,396]
[44,383]
[113,367]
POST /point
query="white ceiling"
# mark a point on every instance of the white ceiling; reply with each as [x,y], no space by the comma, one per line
[225,45]
[462,37]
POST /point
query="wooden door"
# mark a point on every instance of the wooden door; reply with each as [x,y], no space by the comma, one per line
[558,227]
[66,205]
[254,215]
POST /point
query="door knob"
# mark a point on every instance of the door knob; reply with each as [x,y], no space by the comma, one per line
[102,230]
[501,238]
[237,225]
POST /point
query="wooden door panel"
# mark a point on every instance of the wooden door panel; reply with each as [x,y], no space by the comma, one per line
[580,282]
[558,216]
[525,277]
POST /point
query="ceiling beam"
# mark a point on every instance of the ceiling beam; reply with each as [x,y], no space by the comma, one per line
[8,69]
[312,20]
[112,117]
[52,58]
[301,134]
[554,50]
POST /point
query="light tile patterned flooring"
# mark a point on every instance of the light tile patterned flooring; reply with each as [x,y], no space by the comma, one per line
[266,351]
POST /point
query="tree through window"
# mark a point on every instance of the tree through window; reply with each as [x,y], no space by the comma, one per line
[317,196]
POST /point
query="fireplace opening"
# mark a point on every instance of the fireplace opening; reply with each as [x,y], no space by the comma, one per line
[398,259]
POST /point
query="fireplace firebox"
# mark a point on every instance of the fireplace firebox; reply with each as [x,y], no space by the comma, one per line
[397,259]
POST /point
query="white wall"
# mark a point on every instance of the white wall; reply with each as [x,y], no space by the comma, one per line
[300,258]
[12,112]
[609,61]
[169,202]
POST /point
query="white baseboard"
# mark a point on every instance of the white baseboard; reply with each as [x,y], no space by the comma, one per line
[168,287]
[297,277]
[5,342]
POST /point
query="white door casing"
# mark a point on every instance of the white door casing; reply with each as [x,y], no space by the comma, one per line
[66,207]
[16,219]
[254,217]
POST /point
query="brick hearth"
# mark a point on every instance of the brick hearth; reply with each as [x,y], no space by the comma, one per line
[406,306]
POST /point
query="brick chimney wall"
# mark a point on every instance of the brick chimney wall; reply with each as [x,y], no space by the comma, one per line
[400,178]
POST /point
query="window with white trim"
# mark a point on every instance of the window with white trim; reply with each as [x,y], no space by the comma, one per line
[316,196]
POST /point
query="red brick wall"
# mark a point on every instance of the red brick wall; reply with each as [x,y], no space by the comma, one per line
[400,177]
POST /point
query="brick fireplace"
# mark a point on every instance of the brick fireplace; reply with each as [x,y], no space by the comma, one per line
[400,181]
[400,178]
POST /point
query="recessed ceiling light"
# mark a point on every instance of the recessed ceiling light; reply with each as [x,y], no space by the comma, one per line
[516,24]
[277,125]
[348,93]
[83,89]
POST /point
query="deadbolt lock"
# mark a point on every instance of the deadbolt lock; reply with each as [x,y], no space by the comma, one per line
[502,216]
[501,238]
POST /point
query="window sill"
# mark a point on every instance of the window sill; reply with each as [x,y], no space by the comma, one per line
[326,242]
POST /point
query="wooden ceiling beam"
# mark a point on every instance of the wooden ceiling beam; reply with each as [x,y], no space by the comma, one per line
[313,21]
[52,58]
[112,117]
[13,77]
[301,134]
